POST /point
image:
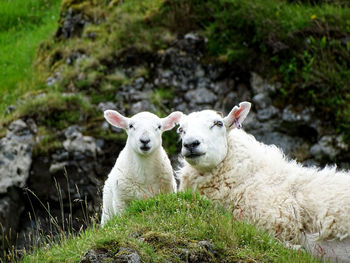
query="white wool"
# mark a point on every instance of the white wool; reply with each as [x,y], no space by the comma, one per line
[138,172]
[298,205]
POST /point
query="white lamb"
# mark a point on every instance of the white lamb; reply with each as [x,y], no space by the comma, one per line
[143,168]
[299,205]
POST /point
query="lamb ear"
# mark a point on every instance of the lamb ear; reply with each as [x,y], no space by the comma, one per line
[116,119]
[237,115]
[169,122]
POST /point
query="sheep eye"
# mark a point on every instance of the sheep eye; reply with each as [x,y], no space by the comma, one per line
[217,123]
[159,127]
[131,126]
[180,130]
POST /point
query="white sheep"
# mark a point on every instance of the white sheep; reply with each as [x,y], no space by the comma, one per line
[299,205]
[142,168]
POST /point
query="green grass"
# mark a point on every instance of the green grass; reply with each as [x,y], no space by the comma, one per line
[24,24]
[168,224]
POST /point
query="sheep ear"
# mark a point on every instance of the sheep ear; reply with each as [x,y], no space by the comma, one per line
[116,119]
[169,122]
[237,115]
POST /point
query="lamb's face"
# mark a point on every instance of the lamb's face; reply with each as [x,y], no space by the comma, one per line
[204,141]
[144,129]
[144,133]
[204,135]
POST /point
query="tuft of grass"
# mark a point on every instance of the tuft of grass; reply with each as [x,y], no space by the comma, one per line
[23,25]
[162,228]
[54,110]
[52,222]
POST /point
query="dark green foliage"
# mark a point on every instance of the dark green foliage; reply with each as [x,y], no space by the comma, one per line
[306,47]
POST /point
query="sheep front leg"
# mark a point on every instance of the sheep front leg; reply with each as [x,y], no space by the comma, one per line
[107,204]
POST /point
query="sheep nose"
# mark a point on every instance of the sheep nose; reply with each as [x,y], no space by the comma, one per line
[192,145]
[145,141]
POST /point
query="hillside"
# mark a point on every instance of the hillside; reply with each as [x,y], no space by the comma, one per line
[182,227]
[302,44]
[67,61]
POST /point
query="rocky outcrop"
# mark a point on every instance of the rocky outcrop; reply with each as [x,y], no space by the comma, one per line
[15,162]
[15,155]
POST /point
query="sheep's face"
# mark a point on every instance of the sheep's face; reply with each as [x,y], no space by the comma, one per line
[204,135]
[144,133]
[144,129]
[204,143]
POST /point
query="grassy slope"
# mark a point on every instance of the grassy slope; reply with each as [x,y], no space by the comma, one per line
[168,223]
[298,44]
[24,24]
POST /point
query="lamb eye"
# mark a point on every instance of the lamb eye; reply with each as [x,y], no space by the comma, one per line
[159,127]
[131,126]
[180,130]
[218,123]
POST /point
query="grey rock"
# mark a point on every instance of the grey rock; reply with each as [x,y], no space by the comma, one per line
[15,155]
[139,106]
[243,92]
[75,57]
[50,81]
[291,116]
[199,72]
[259,85]
[327,148]
[291,146]
[102,106]
[193,37]
[200,96]
[58,157]
[229,101]
[267,113]
[73,24]
[138,83]
[126,255]
[140,95]
[300,123]
[207,245]
[32,126]
[261,101]
[95,256]
[55,78]
[73,132]
[224,86]
[19,129]
[105,126]
[10,109]
[76,142]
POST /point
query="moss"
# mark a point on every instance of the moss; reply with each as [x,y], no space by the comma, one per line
[47,142]
[54,110]
[161,97]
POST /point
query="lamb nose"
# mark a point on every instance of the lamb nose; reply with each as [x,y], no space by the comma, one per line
[192,145]
[145,141]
